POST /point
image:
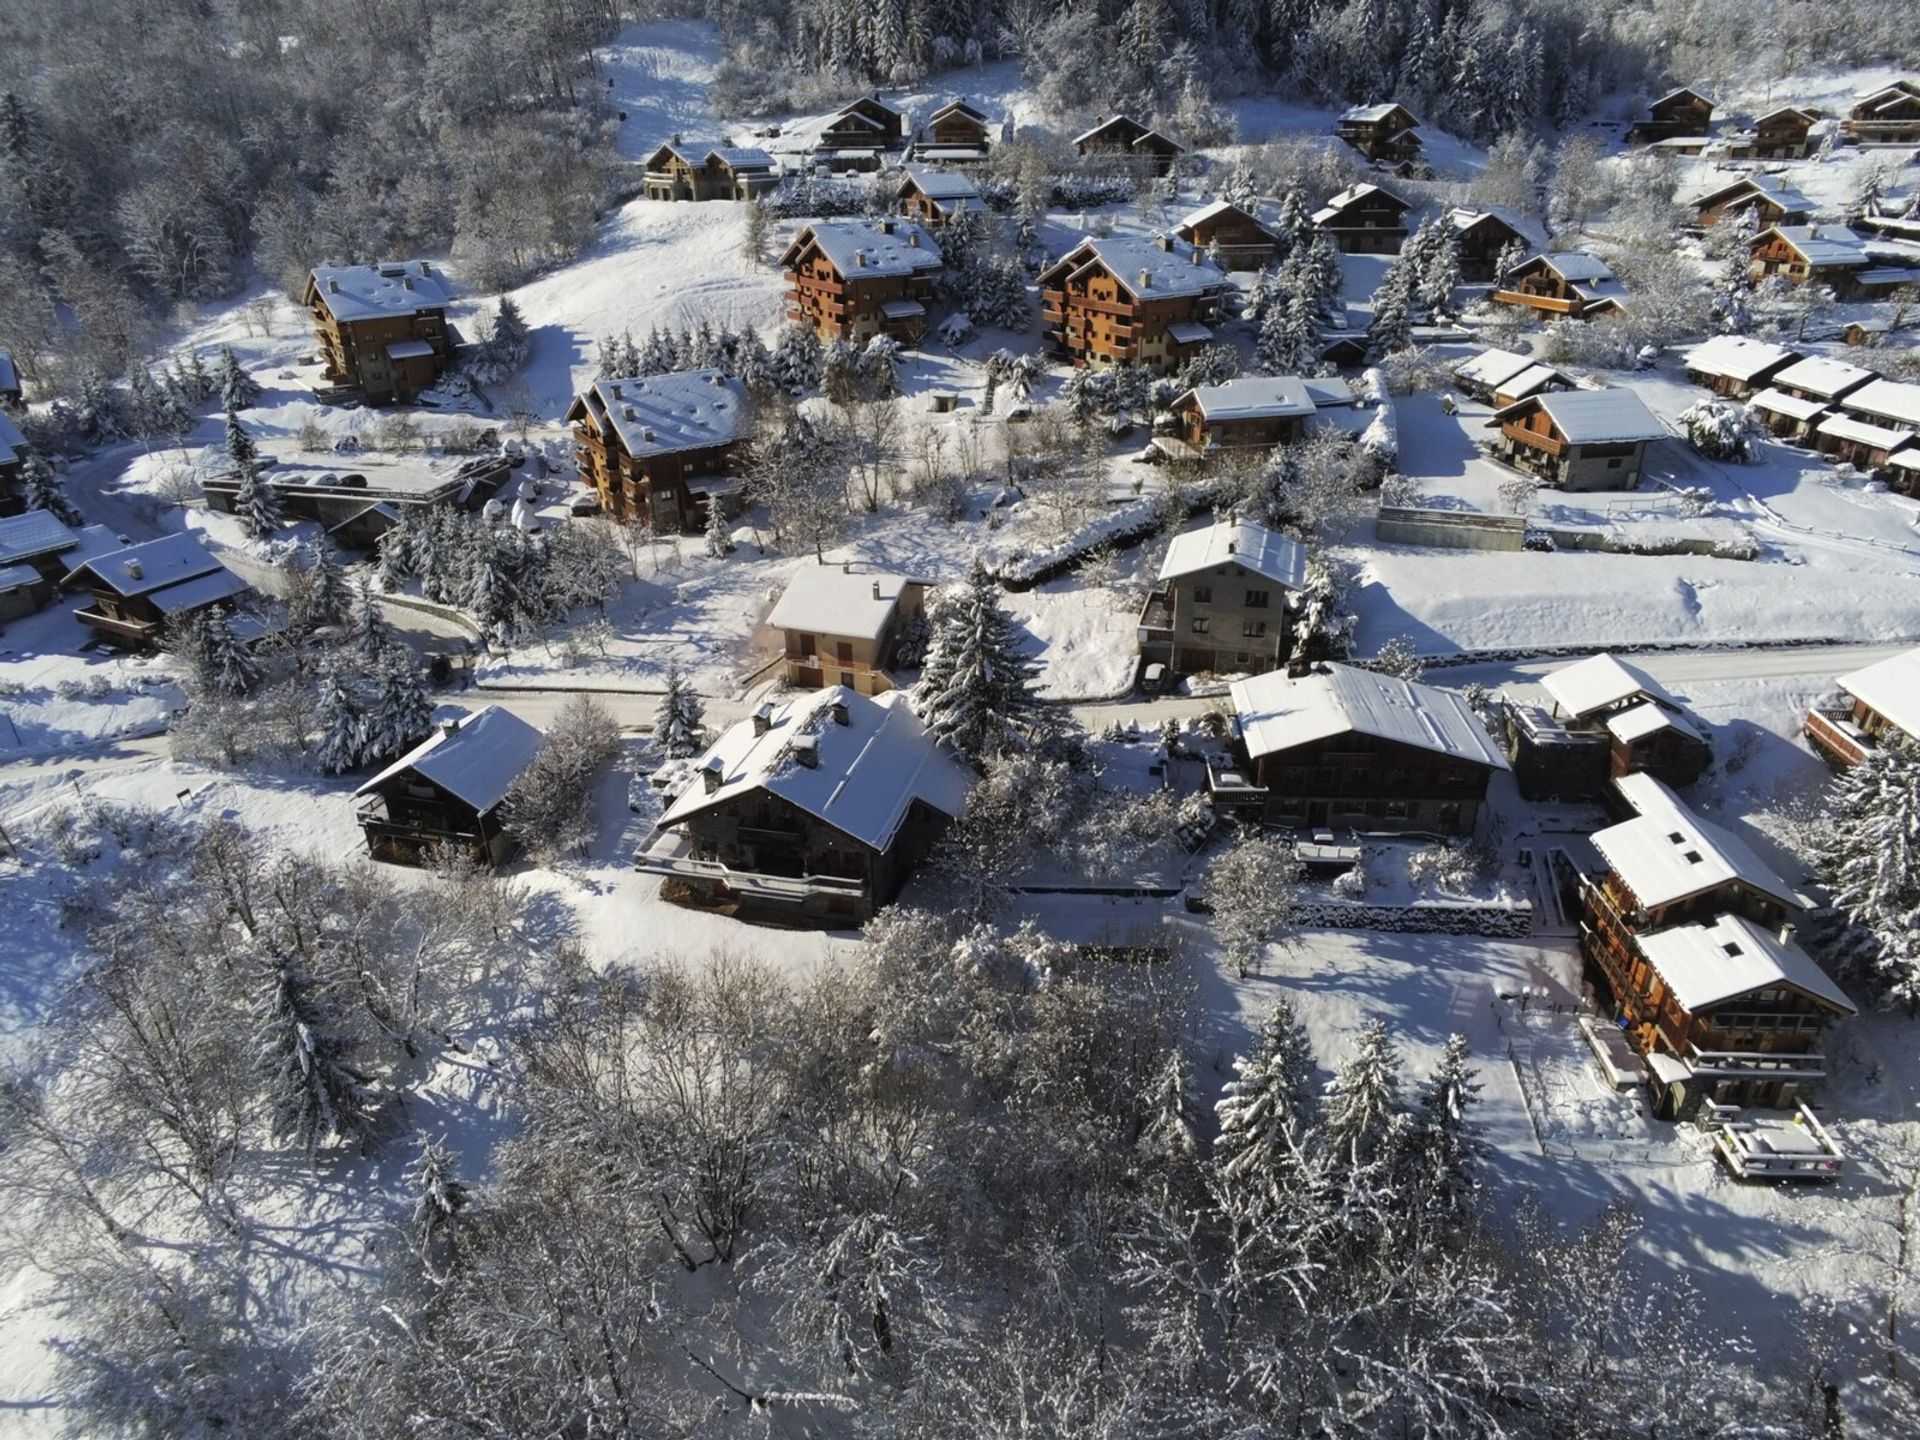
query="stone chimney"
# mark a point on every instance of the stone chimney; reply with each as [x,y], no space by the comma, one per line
[1194,255]
[913,238]
[711,774]
[1299,667]
[763,717]
[1165,242]
[886,225]
[425,268]
[839,709]
[133,569]
[1232,546]
[1786,932]
[1146,278]
[450,728]
[806,750]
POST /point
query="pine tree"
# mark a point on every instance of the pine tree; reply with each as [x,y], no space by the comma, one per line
[719,534]
[315,1090]
[238,390]
[1170,1138]
[1873,864]
[505,348]
[1446,1150]
[142,404]
[489,590]
[42,490]
[1288,345]
[976,689]
[401,715]
[97,410]
[369,637]
[231,668]
[256,502]
[880,367]
[1268,1113]
[797,357]
[196,383]
[1440,274]
[341,721]
[1392,327]
[442,1195]
[677,723]
[606,360]
[1365,1136]
[1294,223]
[327,592]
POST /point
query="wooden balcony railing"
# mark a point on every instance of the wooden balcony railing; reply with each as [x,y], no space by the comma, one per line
[1837,736]
[1533,439]
[1538,302]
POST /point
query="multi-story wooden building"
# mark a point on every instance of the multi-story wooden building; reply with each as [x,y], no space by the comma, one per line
[382,328]
[1876,706]
[958,133]
[661,447]
[838,627]
[1333,745]
[1243,243]
[1248,412]
[1223,599]
[1627,718]
[1805,394]
[867,124]
[1572,285]
[1782,134]
[447,793]
[814,810]
[1364,219]
[854,279]
[137,592]
[933,197]
[1889,116]
[1737,365]
[1682,114]
[1504,378]
[1770,202]
[37,552]
[1124,140]
[1486,233]
[1830,255]
[1579,439]
[1383,134]
[1123,300]
[705,170]
[1688,934]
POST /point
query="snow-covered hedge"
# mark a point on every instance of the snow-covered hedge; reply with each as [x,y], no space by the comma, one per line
[1426,918]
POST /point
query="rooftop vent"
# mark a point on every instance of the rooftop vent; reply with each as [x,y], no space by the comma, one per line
[886,226]
[1165,242]
[913,238]
[1786,932]
[407,281]
[629,412]
[133,568]
[1195,255]
[859,259]
[333,286]
[425,268]
[1232,546]
[615,389]
[763,717]
[647,434]
[1692,857]
[450,728]
[839,709]
[876,589]
[806,750]
[711,774]
[1146,278]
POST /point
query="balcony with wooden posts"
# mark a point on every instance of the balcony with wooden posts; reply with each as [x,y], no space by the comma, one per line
[1534,439]
[1835,735]
[1553,304]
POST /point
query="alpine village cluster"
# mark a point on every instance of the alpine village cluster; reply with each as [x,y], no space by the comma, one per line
[1036,555]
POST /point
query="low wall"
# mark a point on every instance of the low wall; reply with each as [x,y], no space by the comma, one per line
[1449,529]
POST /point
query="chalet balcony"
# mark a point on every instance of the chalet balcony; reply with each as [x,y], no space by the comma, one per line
[1836,737]
[1550,303]
[1230,786]
[1156,618]
[1796,1149]
[1534,440]
[136,632]
[745,884]
[1806,1066]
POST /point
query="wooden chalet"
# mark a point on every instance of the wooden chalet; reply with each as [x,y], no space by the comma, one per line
[1876,706]
[1503,378]
[1805,394]
[1125,300]
[868,125]
[1605,719]
[1569,285]
[1737,366]
[1782,134]
[933,197]
[1866,334]
[13,457]
[137,592]
[382,328]
[37,551]
[1246,412]
[1485,234]
[661,447]
[1761,195]
[1364,219]
[1383,134]
[1223,600]
[356,507]
[446,794]
[1679,115]
[1125,140]
[854,279]
[839,627]
[1243,243]
[1865,444]
[958,133]
[1688,935]
[1889,116]
[1830,255]
[1579,440]
[1882,430]
[11,393]
[1334,745]
[815,810]
[703,170]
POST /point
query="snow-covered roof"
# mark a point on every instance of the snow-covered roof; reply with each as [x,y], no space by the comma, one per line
[1601,682]
[1189,332]
[901,309]
[1575,266]
[1891,688]
[217,584]
[1683,92]
[1490,367]
[735,157]
[1352,196]
[1107,124]
[1593,417]
[1779,110]
[1465,217]
[36,532]
[1530,381]
[1141,267]
[1329,391]
[941,184]
[153,565]
[1278,711]
[1895,400]
[860,249]
[1825,245]
[1666,853]
[1213,210]
[827,600]
[1759,187]
[9,375]
[1374,114]
[1639,721]
[1251,397]
[962,105]
[1883,276]
[853,107]
[1738,357]
[476,763]
[1778,402]
[1845,427]
[409,349]
[1706,965]
[865,774]
[1255,548]
[372,292]
[12,442]
[17,577]
[1822,376]
[667,414]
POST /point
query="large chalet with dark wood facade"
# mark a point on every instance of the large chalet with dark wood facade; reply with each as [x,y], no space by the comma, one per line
[955,134]
[839,627]
[660,447]
[1123,300]
[1239,239]
[1339,746]
[446,794]
[1222,600]
[1688,934]
[1879,705]
[682,170]
[138,592]
[382,328]
[933,197]
[1680,115]
[859,133]
[1737,366]
[1383,134]
[814,810]
[1248,412]
[1570,285]
[1486,234]
[1829,255]
[1765,198]
[1781,134]
[1605,718]
[1364,219]
[854,279]
[1579,439]
[1889,116]
[1125,141]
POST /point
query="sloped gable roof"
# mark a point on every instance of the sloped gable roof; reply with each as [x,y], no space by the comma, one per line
[1255,548]
[1890,687]
[868,249]
[826,600]
[1738,357]
[1666,853]
[477,763]
[386,290]
[667,414]
[1277,712]
[1707,965]
[167,561]
[1592,417]
[1600,682]
[1141,267]
[33,533]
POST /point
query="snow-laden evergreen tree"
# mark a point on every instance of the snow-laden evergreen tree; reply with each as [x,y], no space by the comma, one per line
[1288,344]
[1440,270]
[238,389]
[797,357]
[439,1197]
[840,376]
[395,558]
[606,358]
[97,410]
[1294,223]
[341,721]
[172,414]
[194,381]
[489,594]
[658,356]
[328,593]
[256,503]
[1392,327]
[1268,1115]
[142,403]
[316,1091]
[1365,1136]
[1252,888]
[976,689]
[1718,429]
[399,715]
[719,532]
[680,718]
[41,489]
[231,668]
[1873,866]
[504,350]
[880,367]
[367,631]
[1170,1136]
[1446,1151]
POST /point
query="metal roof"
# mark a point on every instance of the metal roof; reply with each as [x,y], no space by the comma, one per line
[1891,688]
[1895,400]
[371,292]
[1255,548]
[1249,397]
[1277,712]
[1142,268]
[1593,417]
[476,763]
[868,248]
[1738,357]
[36,532]
[667,414]
[1831,245]
[1827,378]
[827,600]
[1666,853]
[1707,965]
